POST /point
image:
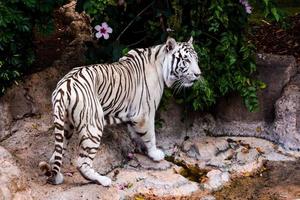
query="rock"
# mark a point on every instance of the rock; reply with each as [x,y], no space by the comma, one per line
[245,155]
[145,162]
[205,148]
[216,179]
[278,119]
[21,103]
[274,70]
[158,183]
[287,120]
[247,168]
[89,191]
[208,197]
[174,129]
[5,119]
[14,105]
[12,183]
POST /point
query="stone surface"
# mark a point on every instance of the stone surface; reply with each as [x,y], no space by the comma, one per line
[144,162]
[174,129]
[12,183]
[276,71]
[205,147]
[279,117]
[21,103]
[95,192]
[237,155]
[216,179]
[160,183]
[5,119]
[286,124]
[208,197]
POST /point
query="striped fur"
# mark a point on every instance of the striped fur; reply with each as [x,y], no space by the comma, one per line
[89,97]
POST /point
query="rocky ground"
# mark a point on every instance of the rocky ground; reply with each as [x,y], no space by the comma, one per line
[200,159]
[194,168]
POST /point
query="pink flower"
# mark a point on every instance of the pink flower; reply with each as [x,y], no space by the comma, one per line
[248,9]
[103,30]
[247,6]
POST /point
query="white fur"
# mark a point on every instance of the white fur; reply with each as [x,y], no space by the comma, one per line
[103,180]
[57,179]
[156,154]
[138,104]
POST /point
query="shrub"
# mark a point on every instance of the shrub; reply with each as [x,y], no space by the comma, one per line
[18,21]
[219,28]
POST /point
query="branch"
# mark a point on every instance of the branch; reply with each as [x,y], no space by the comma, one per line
[131,22]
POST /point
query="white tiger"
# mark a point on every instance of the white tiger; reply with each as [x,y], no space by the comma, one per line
[127,91]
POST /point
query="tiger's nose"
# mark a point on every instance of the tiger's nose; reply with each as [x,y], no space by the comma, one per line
[197,75]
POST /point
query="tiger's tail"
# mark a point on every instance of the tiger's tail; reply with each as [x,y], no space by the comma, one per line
[52,170]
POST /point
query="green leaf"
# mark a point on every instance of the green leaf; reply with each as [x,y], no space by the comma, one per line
[275,14]
[266,2]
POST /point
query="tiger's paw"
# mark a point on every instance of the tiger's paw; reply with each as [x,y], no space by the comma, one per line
[103,180]
[156,155]
[56,179]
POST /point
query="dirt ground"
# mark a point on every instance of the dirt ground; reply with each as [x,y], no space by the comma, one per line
[278,181]
[281,39]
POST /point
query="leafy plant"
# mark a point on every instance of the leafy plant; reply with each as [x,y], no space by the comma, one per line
[18,21]
[219,28]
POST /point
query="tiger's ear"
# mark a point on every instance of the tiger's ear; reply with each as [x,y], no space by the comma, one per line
[191,40]
[170,44]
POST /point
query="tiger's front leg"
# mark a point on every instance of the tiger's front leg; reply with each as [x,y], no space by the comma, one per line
[144,129]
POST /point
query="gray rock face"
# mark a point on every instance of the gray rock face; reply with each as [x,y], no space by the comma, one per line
[286,124]
[276,71]
[5,119]
[21,104]
[279,117]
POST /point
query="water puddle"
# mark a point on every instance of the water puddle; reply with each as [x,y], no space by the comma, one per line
[191,172]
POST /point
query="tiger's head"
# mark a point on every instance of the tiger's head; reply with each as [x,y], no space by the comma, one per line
[181,63]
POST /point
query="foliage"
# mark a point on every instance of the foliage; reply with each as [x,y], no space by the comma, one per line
[219,28]
[18,20]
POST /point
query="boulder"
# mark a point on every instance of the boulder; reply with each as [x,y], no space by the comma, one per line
[287,112]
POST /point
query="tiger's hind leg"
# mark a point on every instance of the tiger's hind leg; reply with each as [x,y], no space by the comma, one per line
[68,133]
[89,145]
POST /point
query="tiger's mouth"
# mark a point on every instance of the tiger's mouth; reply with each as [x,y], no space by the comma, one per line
[189,83]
